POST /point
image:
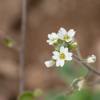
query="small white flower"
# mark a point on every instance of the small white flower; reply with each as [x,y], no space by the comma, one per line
[91,59]
[52,38]
[49,63]
[66,36]
[62,56]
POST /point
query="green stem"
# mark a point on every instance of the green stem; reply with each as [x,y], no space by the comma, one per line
[88,66]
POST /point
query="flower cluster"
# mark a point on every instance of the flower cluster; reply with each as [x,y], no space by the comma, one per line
[63,42]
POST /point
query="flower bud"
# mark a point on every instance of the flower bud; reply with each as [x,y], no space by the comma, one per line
[72,45]
[91,59]
[49,63]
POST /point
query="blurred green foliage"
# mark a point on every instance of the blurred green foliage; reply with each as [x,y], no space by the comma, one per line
[26,96]
[30,95]
[69,72]
[77,95]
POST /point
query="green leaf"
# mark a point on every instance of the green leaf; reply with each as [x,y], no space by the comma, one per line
[26,96]
[8,42]
[81,95]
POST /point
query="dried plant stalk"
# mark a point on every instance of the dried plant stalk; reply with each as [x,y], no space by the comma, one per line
[22,49]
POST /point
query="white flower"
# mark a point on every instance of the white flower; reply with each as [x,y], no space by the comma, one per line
[49,63]
[66,36]
[91,59]
[53,37]
[62,56]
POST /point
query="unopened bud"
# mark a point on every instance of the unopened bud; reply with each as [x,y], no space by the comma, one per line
[49,63]
[91,59]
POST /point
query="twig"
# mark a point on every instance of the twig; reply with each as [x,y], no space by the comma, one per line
[80,56]
[22,50]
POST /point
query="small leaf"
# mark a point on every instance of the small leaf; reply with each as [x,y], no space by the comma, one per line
[8,42]
[26,96]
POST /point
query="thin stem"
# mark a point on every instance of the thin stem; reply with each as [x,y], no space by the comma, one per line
[78,52]
[80,56]
[22,50]
[88,66]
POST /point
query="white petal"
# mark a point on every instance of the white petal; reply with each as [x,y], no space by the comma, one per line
[69,56]
[49,63]
[60,36]
[65,51]
[62,30]
[55,55]
[52,35]
[57,63]
[71,33]
[60,63]
[49,36]
[50,42]
[62,49]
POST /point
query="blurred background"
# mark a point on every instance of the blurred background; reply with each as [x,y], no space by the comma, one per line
[44,17]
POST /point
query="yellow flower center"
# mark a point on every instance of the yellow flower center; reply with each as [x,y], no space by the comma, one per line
[62,56]
[66,37]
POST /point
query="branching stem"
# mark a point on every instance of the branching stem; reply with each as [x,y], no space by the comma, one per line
[88,66]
